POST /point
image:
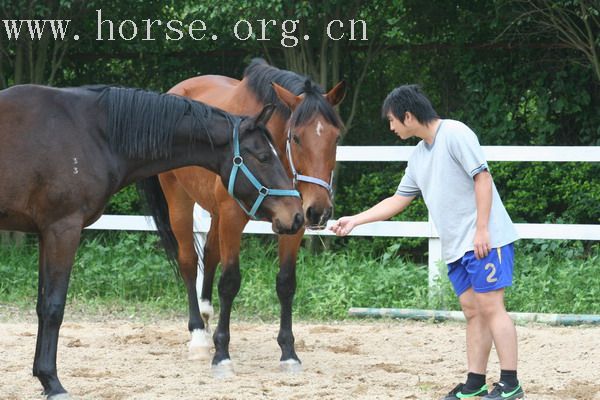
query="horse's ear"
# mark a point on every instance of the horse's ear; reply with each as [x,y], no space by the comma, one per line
[337,94]
[265,115]
[288,98]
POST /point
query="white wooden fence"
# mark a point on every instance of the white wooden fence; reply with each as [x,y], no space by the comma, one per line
[413,229]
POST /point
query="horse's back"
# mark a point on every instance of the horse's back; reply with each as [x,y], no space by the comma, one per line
[210,89]
[24,106]
[40,121]
[219,91]
[20,107]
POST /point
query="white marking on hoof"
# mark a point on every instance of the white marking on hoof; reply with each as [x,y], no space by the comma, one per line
[206,312]
[223,370]
[62,396]
[200,345]
[290,366]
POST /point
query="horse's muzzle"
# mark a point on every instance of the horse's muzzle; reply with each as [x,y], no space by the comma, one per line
[317,219]
[297,223]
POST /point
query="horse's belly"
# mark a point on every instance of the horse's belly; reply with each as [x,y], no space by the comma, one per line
[199,184]
[15,221]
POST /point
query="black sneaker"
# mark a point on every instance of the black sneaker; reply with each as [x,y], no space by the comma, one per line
[504,392]
[459,393]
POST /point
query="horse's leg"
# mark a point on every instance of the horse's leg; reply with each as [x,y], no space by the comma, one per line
[230,233]
[286,288]
[58,247]
[200,345]
[210,261]
[38,308]
[181,208]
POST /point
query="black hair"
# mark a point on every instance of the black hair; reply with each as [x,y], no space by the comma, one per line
[412,99]
[260,75]
[141,124]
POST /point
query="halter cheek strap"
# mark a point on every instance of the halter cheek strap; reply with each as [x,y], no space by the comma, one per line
[238,164]
[304,178]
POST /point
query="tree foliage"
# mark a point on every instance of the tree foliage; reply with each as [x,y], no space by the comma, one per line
[519,72]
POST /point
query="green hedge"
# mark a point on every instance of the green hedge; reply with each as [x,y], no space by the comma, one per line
[532,192]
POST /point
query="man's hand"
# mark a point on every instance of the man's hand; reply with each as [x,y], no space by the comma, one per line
[343,226]
[481,243]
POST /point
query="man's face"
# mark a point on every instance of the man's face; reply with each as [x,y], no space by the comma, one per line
[399,128]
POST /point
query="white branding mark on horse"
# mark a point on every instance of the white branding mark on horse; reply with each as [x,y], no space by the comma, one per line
[319,128]
[75,169]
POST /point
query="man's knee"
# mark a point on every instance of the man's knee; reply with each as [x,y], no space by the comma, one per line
[469,305]
[490,303]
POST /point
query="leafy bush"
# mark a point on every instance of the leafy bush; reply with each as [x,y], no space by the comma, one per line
[125,202]
[531,192]
[550,192]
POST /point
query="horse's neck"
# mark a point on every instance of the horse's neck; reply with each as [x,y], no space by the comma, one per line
[278,127]
[236,97]
[200,151]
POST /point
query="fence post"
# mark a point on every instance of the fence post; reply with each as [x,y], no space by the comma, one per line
[434,257]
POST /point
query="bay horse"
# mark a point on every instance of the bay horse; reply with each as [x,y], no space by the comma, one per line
[65,151]
[306,129]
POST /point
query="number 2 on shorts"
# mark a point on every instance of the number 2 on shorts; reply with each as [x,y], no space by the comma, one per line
[491,278]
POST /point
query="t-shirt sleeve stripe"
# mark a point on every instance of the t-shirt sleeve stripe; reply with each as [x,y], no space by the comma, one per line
[481,168]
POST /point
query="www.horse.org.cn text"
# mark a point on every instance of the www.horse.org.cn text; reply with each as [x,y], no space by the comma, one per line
[261,29]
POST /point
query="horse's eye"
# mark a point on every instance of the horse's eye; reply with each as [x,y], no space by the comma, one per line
[263,158]
[296,139]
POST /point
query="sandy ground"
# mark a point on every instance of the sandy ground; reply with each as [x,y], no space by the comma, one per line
[388,359]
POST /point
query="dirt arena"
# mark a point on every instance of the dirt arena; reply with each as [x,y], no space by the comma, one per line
[388,359]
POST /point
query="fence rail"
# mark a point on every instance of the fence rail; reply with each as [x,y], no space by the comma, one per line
[383,229]
[492,153]
[413,229]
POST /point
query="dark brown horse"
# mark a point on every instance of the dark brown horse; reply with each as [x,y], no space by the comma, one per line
[64,152]
[305,129]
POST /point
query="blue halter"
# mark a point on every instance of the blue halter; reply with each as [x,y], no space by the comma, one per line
[238,164]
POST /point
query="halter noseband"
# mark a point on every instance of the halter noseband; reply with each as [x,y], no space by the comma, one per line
[304,178]
[238,164]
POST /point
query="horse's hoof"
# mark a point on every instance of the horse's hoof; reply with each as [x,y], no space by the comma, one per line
[200,345]
[198,353]
[61,396]
[290,366]
[223,370]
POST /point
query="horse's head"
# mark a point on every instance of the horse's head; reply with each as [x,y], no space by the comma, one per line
[313,133]
[257,179]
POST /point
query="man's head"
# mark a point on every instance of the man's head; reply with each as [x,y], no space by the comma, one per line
[408,109]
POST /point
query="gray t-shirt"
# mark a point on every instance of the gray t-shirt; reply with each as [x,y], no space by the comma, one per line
[443,174]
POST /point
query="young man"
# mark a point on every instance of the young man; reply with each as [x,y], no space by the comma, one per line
[449,170]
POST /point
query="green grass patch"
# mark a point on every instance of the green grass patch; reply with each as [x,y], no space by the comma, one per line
[126,274]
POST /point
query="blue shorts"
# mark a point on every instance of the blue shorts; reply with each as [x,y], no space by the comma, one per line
[489,273]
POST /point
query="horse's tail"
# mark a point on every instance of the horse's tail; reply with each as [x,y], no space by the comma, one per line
[151,192]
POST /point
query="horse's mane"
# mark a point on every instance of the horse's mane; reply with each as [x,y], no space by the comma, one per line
[141,124]
[260,75]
